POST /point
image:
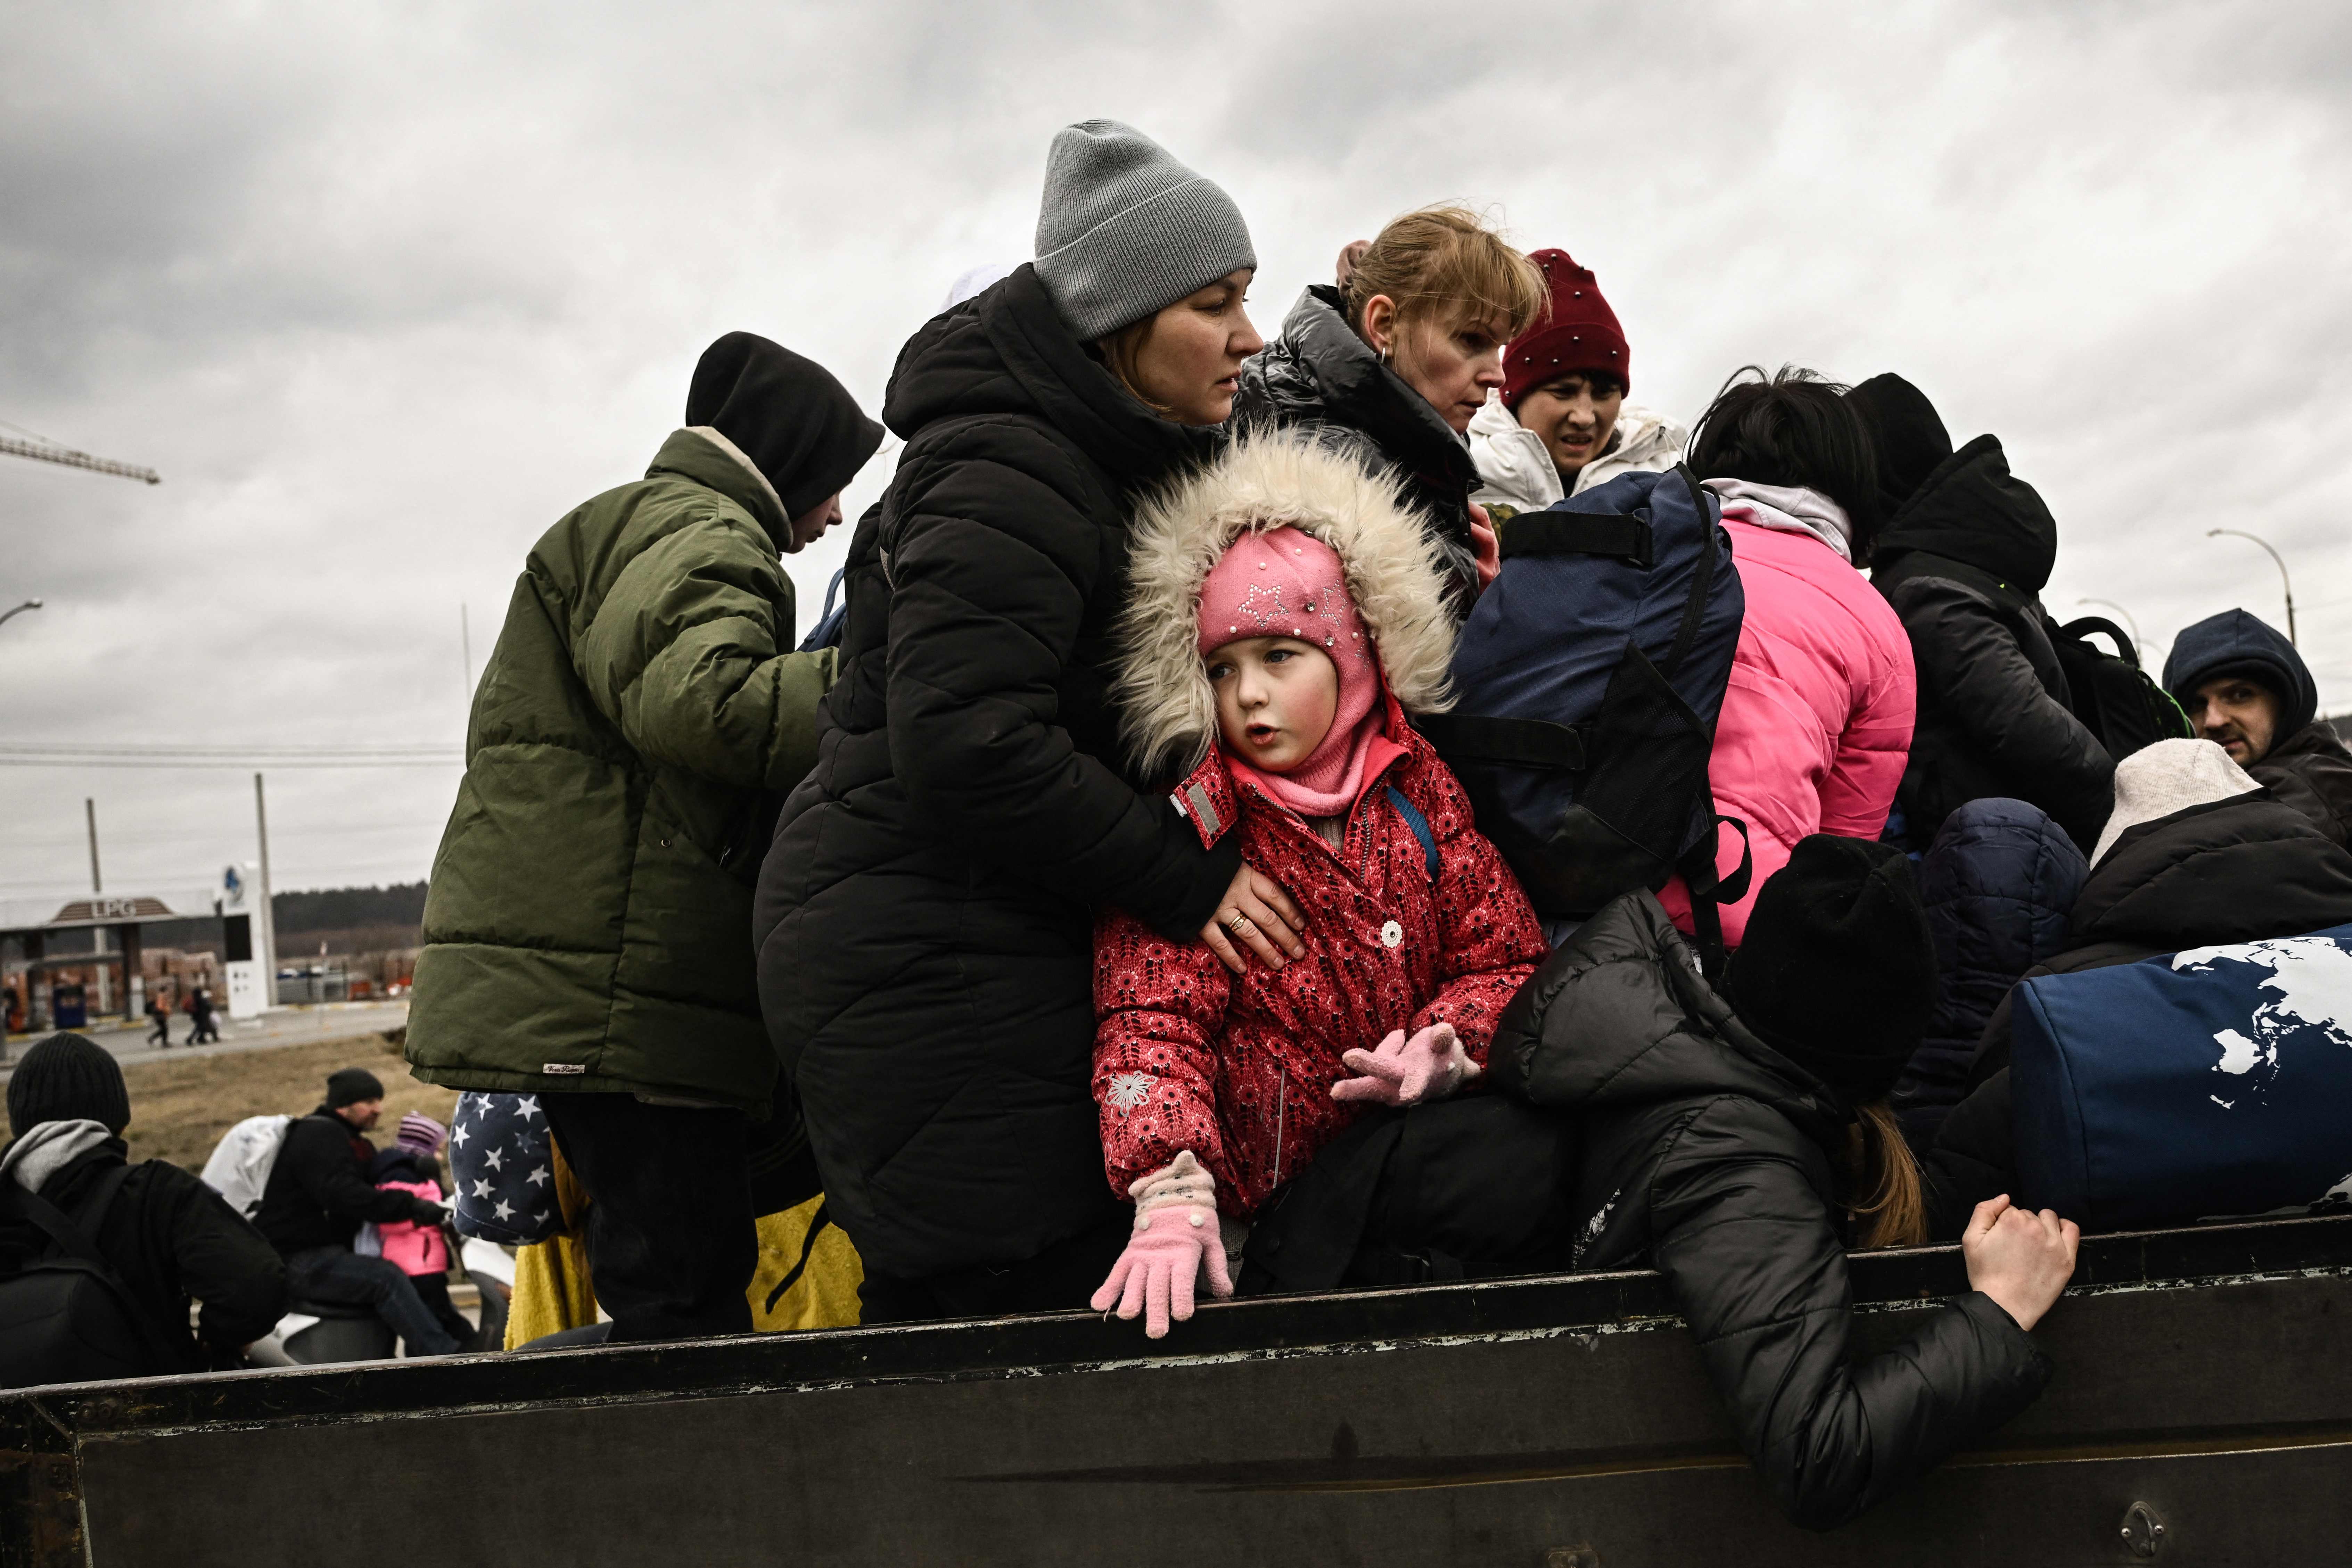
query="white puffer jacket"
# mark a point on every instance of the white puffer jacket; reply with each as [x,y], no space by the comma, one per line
[1514,470]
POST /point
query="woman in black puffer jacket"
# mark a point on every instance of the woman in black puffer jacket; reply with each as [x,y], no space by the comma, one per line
[1722,1147]
[1395,361]
[925,913]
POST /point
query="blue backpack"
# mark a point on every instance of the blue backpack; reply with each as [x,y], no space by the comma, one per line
[2204,1083]
[1587,681]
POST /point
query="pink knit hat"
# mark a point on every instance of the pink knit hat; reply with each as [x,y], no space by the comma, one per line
[1284,583]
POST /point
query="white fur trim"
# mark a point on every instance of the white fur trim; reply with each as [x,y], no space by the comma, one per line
[1270,481]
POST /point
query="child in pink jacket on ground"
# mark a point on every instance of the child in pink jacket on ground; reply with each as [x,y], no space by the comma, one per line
[1816,721]
[412,1165]
[1285,614]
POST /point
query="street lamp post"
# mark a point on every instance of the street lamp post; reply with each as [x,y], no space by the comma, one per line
[2281,561]
[28,604]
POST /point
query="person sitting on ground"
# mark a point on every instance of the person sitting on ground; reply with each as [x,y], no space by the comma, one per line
[166,1236]
[1966,549]
[317,1197]
[1396,363]
[588,925]
[1737,1138]
[2194,854]
[2247,691]
[1560,424]
[1817,716]
[1287,614]
[420,1251]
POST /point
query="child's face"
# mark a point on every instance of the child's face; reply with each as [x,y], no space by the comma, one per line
[1276,700]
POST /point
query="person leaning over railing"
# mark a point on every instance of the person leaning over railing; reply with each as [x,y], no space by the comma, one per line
[1738,1137]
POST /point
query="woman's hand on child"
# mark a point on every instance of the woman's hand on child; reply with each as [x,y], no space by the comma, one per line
[1430,1066]
[1257,911]
[1176,1235]
[2021,1260]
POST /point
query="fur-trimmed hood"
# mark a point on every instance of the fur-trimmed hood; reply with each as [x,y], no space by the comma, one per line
[1270,480]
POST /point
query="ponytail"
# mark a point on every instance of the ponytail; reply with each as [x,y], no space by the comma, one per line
[1895,1203]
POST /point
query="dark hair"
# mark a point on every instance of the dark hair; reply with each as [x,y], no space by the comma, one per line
[1793,428]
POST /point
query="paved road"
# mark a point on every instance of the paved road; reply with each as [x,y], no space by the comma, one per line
[280,1026]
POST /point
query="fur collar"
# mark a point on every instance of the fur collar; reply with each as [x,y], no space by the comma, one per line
[1168,717]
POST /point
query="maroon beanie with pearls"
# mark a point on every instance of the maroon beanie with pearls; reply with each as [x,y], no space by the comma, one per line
[1579,333]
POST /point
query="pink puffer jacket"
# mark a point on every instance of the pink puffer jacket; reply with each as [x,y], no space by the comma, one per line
[1817,720]
[416,1249]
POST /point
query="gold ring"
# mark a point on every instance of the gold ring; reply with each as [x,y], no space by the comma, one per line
[1240,925]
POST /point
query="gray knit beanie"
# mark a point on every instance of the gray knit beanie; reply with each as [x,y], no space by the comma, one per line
[1125,230]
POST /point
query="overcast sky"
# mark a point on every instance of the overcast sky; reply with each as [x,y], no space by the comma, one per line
[385,290]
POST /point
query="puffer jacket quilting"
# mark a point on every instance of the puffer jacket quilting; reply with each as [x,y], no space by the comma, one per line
[925,912]
[1999,885]
[1961,563]
[1709,1155]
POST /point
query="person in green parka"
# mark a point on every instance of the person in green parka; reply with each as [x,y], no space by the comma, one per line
[588,926]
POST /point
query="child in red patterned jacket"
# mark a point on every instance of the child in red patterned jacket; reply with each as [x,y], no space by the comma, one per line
[1286,614]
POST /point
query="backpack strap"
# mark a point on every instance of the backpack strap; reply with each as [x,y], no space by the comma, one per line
[1518,742]
[1420,826]
[1618,534]
[1709,892]
[74,1238]
[1702,579]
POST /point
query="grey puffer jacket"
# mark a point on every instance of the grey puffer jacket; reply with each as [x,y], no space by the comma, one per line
[1710,1157]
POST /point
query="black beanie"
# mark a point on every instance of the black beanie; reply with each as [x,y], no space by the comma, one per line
[351,1085]
[1908,434]
[1837,970]
[797,424]
[68,1078]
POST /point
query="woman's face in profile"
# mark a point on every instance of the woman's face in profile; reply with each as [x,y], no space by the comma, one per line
[1189,363]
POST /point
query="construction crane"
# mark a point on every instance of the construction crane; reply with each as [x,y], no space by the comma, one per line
[41,448]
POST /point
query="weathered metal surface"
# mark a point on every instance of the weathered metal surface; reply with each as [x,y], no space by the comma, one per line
[2202,1376]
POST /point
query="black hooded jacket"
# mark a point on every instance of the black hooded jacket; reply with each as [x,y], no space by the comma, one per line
[1320,373]
[168,1237]
[924,917]
[2245,869]
[2307,765]
[1962,563]
[1715,1157]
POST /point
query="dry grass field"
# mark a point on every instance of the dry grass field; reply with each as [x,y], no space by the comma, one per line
[180,1108]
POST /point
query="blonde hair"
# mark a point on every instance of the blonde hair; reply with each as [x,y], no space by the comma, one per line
[1445,260]
[1897,1203]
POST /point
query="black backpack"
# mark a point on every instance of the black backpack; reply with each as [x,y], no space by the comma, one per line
[1588,680]
[67,1316]
[2110,693]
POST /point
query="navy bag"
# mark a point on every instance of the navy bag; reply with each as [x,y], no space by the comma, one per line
[2205,1083]
[1586,683]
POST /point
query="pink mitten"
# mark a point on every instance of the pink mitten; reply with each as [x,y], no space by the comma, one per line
[1430,1066]
[1175,1235]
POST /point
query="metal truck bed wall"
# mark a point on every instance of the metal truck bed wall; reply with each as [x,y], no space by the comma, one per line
[2203,1380]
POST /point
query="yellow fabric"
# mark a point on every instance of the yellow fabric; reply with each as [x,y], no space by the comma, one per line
[551,1288]
[825,1294]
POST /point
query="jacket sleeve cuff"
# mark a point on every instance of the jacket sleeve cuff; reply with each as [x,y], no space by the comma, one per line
[1213,875]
